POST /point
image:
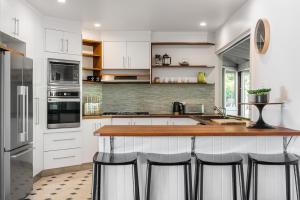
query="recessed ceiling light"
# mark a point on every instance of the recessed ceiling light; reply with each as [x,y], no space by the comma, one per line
[97,25]
[61,1]
[203,24]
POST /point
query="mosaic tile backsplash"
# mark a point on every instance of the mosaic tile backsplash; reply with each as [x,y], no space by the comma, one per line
[149,98]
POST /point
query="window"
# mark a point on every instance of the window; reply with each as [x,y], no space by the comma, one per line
[230,91]
[245,86]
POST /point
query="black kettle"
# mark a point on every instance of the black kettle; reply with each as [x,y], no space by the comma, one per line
[178,108]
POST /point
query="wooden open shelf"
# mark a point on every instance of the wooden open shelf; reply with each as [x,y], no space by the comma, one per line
[177,66]
[91,69]
[185,83]
[90,55]
[183,43]
[96,55]
[125,74]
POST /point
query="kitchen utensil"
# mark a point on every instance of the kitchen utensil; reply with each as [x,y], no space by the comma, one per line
[166,60]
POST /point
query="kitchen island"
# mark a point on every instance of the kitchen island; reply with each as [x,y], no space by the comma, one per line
[170,139]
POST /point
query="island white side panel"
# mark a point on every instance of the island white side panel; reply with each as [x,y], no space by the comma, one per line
[167,182]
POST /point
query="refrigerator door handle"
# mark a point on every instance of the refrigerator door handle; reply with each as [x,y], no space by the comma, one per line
[27,113]
[21,92]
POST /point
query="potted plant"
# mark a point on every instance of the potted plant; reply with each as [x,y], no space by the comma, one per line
[259,96]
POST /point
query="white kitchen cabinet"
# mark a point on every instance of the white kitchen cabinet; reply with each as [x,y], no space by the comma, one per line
[9,15]
[61,141]
[161,121]
[62,42]
[138,55]
[62,158]
[183,121]
[54,41]
[114,55]
[126,55]
[72,43]
[90,141]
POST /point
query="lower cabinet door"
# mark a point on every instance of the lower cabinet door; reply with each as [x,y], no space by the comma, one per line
[62,158]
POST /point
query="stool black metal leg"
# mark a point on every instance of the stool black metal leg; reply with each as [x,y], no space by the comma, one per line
[255,166]
[234,190]
[99,182]
[288,182]
[249,176]
[196,181]
[242,184]
[186,187]
[201,180]
[95,182]
[190,181]
[149,168]
[136,182]
[297,175]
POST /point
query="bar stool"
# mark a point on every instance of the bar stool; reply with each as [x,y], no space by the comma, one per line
[231,159]
[163,160]
[114,159]
[285,159]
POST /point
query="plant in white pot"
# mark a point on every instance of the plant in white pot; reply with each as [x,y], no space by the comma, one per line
[259,96]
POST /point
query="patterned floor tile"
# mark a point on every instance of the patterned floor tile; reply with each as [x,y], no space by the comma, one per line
[69,186]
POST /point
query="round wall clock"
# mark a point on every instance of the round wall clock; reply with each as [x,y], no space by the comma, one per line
[262,36]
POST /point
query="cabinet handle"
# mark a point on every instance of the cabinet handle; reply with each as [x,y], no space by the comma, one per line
[37,111]
[61,140]
[15,25]
[123,61]
[59,158]
[67,41]
[18,26]
[62,45]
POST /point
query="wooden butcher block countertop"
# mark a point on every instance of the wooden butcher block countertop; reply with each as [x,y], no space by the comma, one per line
[192,130]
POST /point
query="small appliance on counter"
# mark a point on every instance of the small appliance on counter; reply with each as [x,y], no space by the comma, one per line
[178,108]
[194,109]
[91,106]
[166,60]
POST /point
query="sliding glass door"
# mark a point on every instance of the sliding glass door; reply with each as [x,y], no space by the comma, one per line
[245,86]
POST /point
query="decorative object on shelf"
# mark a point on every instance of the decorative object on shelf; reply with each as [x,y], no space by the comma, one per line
[166,60]
[259,96]
[261,124]
[184,62]
[158,59]
[262,36]
[91,106]
[156,80]
[202,77]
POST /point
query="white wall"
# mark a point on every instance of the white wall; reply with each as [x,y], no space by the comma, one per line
[279,67]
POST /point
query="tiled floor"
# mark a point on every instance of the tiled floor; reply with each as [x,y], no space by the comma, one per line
[69,186]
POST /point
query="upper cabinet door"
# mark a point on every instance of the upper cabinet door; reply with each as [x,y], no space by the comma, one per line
[114,55]
[9,20]
[72,43]
[138,55]
[55,41]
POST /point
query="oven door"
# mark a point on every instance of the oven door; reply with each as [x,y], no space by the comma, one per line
[63,72]
[63,113]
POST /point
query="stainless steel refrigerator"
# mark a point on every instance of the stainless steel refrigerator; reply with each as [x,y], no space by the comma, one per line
[16,125]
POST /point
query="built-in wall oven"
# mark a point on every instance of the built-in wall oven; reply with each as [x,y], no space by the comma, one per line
[63,72]
[63,107]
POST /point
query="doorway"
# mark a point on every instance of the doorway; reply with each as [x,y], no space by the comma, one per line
[236,78]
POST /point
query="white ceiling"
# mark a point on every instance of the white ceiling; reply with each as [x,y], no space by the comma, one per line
[156,15]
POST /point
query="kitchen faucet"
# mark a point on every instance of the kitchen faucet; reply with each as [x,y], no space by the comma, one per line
[220,110]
